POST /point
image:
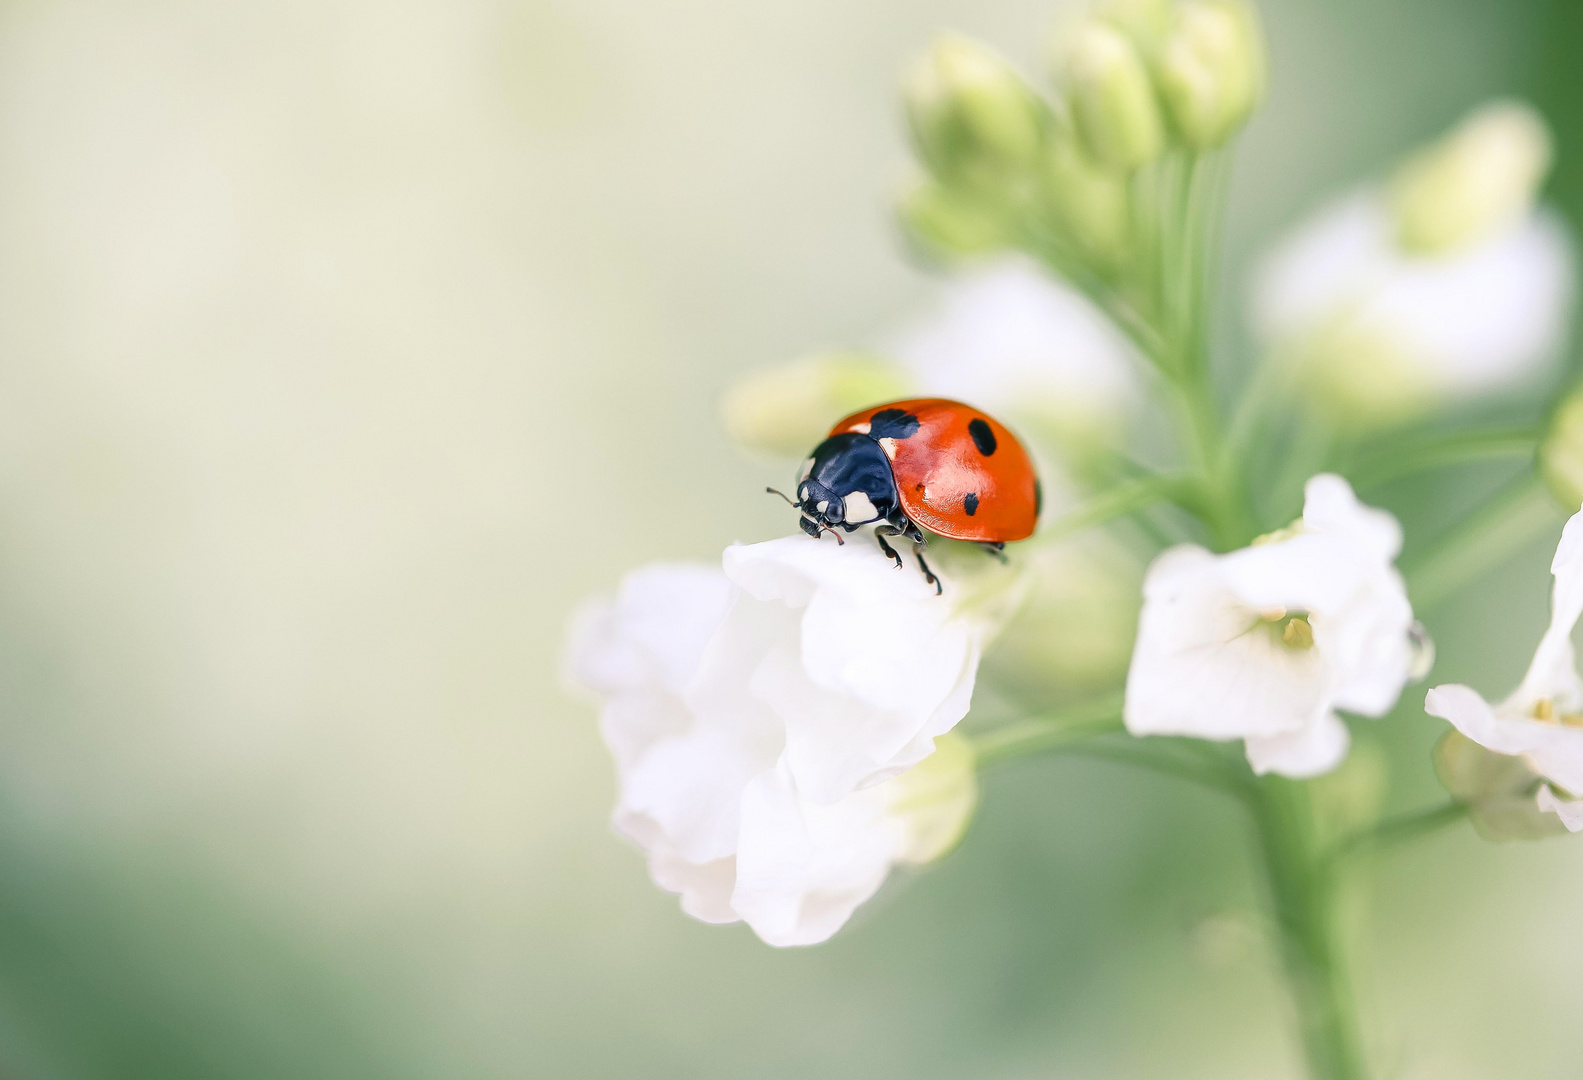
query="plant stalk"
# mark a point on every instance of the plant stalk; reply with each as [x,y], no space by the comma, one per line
[1303,895]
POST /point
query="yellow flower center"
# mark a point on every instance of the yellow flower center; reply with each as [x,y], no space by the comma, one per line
[1292,627]
[1544,711]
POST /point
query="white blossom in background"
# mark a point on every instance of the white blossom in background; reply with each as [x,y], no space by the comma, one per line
[1264,644]
[1010,339]
[768,723]
[1541,722]
[1443,285]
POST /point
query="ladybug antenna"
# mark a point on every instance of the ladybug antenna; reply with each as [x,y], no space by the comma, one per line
[782,494]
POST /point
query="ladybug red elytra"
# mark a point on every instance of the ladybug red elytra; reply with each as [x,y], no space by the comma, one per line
[923,464]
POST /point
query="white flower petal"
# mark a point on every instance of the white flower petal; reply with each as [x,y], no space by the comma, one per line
[1203,666]
[1553,673]
[1570,811]
[1310,751]
[1011,339]
[1553,750]
[1463,323]
[1321,265]
[1213,658]
[878,665]
[705,888]
[690,787]
[824,660]
[802,867]
[1331,507]
[639,649]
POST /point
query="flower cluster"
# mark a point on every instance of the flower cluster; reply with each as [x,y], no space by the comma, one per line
[1138,90]
[768,722]
[1443,284]
[786,728]
[1265,643]
[1540,723]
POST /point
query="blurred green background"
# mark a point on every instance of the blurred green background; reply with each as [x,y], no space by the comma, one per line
[344,345]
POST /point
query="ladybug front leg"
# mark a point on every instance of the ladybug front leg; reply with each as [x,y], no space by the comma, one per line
[882,531]
[928,574]
[996,550]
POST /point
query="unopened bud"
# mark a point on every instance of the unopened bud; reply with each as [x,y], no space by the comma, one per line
[1362,377]
[1482,175]
[1146,22]
[1075,630]
[1113,101]
[1211,70]
[971,113]
[1561,453]
[935,799]
[1498,789]
[948,222]
[1091,204]
[785,411]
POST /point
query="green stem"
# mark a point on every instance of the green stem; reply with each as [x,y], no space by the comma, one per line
[1441,450]
[1161,760]
[1400,829]
[1049,733]
[1119,501]
[1518,514]
[1303,895]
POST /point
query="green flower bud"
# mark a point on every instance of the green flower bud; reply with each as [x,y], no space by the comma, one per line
[1074,632]
[935,799]
[1090,204]
[785,411]
[949,223]
[1561,453]
[973,117]
[1499,790]
[1113,101]
[1361,378]
[1482,175]
[1146,22]
[1211,70]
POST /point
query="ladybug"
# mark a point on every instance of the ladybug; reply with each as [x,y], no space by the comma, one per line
[926,465]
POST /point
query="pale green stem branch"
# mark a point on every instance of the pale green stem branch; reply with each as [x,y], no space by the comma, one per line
[1449,449]
[1048,733]
[1119,501]
[1139,753]
[1521,512]
[1399,830]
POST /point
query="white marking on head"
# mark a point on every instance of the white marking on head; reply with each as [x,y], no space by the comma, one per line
[823,503]
[807,469]
[889,446]
[863,428]
[859,509]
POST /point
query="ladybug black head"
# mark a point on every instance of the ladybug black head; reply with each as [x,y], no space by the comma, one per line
[846,483]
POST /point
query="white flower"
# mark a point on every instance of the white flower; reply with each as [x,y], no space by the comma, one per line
[1541,722]
[765,723]
[1010,339]
[1445,285]
[1264,644]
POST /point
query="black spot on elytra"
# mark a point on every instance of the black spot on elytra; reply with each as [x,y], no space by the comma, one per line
[892,424]
[970,503]
[983,438]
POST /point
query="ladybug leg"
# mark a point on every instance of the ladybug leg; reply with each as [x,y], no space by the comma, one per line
[815,530]
[928,574]
[882,531]
[996,550]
